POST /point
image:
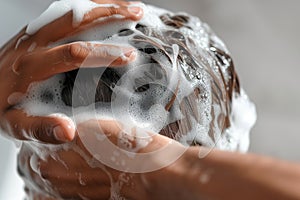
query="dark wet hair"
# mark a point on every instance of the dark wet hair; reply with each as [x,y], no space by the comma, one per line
[224,81]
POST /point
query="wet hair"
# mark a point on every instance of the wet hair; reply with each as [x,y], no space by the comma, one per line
[214,60]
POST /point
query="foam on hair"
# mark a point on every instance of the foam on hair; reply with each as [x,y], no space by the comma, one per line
[182,85]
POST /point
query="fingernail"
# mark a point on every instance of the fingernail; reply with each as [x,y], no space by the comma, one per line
[129,53]
[135,2]
[135,10]
[59,134]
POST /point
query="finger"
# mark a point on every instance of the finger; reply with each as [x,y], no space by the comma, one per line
[114,131]
[50,129]
[64,26]
[128,12]
[46,63]
[69,179]
[95,192]
[74,170]
[69,191]
[119,2]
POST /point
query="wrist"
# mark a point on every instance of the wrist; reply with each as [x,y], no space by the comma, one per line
[171,182]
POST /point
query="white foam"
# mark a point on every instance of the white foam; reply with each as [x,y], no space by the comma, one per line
[59,8]
[143,112]
[137,136]
[127,106]
[243,118]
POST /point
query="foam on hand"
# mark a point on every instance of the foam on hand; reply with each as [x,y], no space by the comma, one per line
[183,84]
[193,65]
[59,8]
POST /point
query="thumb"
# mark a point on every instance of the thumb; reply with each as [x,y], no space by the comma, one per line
[54,129]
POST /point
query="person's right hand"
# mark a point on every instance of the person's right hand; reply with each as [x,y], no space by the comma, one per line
[32,60]
[76,171]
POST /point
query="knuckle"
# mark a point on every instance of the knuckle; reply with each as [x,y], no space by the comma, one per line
[88,17]
[19,64]
[112,10]
[104,51]
[41,131]
[44,171]
[15,132]
[73,52]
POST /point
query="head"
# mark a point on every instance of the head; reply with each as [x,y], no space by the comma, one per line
[184,79]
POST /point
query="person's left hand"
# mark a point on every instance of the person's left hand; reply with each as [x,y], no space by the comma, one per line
[29,57]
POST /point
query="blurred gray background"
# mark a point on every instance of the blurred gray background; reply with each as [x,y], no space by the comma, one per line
[263,37]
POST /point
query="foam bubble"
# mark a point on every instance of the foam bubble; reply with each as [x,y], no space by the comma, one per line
[144,94]
[59,8]
[183,85]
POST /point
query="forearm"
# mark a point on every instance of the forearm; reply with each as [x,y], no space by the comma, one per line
[226,175]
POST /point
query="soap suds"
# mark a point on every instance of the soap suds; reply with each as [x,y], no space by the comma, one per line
[182,85]
[177,74]
[59,8]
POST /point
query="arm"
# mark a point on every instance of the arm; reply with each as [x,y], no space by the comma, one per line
[219,175]
[228,175]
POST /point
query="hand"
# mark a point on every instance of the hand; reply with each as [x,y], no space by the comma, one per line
[31,60]
[74,172]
